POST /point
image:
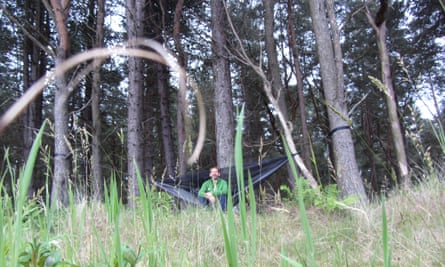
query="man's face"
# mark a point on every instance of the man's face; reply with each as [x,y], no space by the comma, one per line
[214,173]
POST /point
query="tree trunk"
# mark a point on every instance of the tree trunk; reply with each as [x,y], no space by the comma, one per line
[98,179]
[347,172]
[379,25]
[272,57]
[267,87]
[273,67]
[167,133]
[59,193]
[180,119]
[33,59]
[135,29]
[368,137]
[306,147]
[224,121]
[150,122]
[254,103]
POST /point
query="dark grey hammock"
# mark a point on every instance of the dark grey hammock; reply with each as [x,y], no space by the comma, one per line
[186,187]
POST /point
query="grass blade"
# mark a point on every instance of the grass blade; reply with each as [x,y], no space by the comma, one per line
[310,257]
[240,173]
[385,237]
[229,231]
[24,182]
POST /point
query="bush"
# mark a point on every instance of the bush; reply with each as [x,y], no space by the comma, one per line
[325,197]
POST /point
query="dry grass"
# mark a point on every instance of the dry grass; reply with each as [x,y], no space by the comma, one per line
[194,237]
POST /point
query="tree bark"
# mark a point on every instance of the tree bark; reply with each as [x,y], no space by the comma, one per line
[150,121]
[273,67]
[224,121]
[166,128]
[98,179]
[59,193]
[135,29]
[379,25]
[306,147]
[180,118]
[347,173]
[33,62]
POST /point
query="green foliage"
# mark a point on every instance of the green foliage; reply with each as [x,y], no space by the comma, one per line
[326,198]
[130,257]
[41,254]
[308,194]
[114,206]
[439,134]
[160,200]
[20,196]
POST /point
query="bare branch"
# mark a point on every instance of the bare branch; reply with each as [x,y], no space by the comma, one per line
[273,100]
[357,104]
[48,49]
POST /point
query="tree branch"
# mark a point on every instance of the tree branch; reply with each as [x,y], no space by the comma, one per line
[268,91]
[47,48]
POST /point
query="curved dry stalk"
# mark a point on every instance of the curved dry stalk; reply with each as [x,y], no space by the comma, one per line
[160,55]
[202,124]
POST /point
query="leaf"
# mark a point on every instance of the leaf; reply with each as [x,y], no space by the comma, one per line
[379,85]
[291,261]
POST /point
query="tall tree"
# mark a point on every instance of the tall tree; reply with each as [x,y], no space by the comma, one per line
[273,65]
[379,25]
[98,179]
[306,146]
[34,63]
[150,126]
[273,100]
[180,116]
[59,193]
[166,127]
[222,87]
[272,57]
[135,28]
[331,70]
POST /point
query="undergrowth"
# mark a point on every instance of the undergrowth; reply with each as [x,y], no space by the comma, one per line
[312,227]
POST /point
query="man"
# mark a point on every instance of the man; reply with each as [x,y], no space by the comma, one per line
[214,189]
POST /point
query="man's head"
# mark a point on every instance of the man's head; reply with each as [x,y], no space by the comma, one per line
[214,173]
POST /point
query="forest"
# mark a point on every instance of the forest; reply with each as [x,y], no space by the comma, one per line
[100,100]
[354,88]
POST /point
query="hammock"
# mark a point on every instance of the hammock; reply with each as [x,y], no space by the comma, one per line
[186,187]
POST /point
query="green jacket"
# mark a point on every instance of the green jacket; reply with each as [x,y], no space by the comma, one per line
[219,189]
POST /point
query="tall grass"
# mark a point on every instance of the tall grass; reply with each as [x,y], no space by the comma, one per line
[310,253]
[113,206]
[155,252]
[385,237]
[21,195]
[404,229]
[248,227]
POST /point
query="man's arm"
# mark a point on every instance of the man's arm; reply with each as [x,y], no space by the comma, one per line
[203,189]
